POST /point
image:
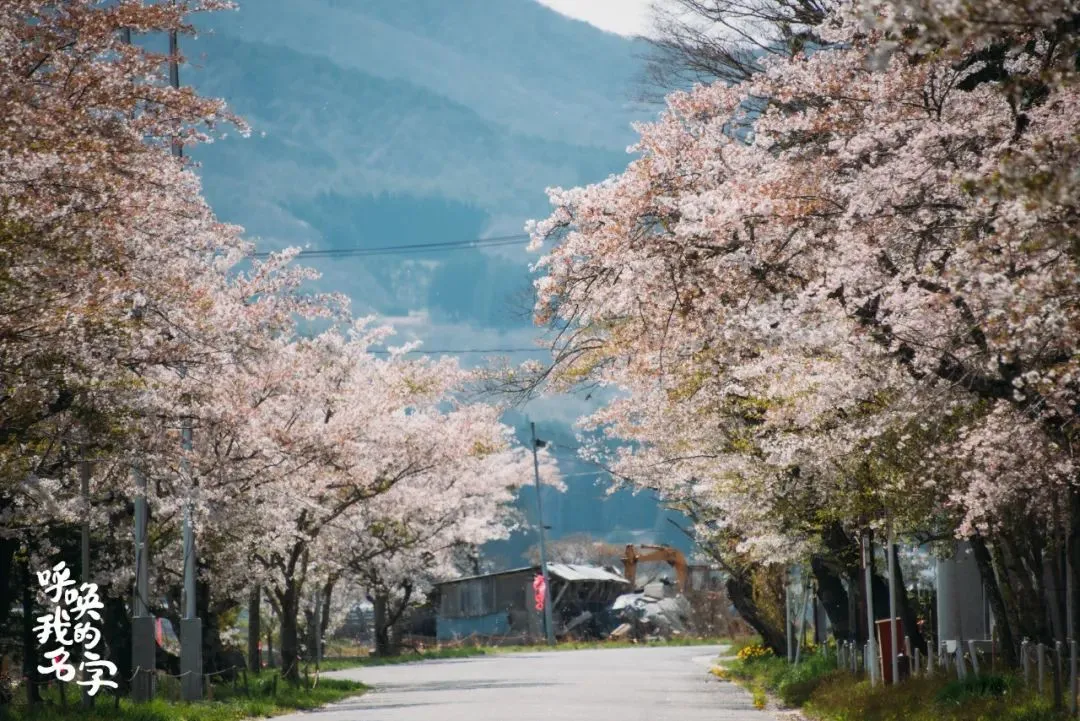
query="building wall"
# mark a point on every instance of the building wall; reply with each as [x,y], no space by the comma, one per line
[488,606]
[495,624]
[961,604]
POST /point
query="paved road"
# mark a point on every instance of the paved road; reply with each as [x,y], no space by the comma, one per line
[636,684]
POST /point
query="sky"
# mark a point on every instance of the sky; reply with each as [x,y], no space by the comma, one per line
[625,17]
[445,124]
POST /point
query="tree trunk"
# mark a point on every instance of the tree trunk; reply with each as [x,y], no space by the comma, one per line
[907,613]
[833,597]
[116,629]
[8,587]
[1009,651]
[254,609]
[741,592]
[324,612]
[30,657]
[382,624]
[288,603]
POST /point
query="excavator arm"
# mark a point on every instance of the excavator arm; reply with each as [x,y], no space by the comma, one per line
[656,553]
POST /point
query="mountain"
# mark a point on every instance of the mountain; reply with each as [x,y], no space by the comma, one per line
[379,123]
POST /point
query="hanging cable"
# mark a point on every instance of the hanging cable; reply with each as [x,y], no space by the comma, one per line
[446,246]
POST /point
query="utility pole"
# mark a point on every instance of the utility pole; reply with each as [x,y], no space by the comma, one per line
[894,640]
[191,662]
[549,625]
[871,645]
[143,641]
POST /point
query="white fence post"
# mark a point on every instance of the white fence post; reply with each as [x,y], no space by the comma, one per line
[1040,656]
[1025,661]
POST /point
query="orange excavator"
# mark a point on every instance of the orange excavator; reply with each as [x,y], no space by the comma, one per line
[655,553]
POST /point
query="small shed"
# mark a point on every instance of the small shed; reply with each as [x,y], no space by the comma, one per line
[499,607]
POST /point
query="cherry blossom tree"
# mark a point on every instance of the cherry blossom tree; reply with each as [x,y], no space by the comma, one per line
[838,284]
[132,313]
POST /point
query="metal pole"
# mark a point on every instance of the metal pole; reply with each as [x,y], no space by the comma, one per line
[894,641]
[1070,614]
[143,641]
[871,645]
[254,631]
[787,615]
[549,624]
[318,628]
[191,666]
[84,487]
[142,549]
[189,536]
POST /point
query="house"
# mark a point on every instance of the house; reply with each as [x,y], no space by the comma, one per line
[500,607]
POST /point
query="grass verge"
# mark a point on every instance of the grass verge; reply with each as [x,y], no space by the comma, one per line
[264,699]
[763,675]
[977,698]
[825,693]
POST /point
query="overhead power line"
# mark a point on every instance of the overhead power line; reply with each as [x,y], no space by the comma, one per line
[427,351]
[446,246]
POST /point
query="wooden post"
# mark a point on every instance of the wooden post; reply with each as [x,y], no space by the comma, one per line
[974,657]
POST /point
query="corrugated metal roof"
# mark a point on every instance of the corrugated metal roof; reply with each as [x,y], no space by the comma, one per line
[571,572]
[534,569]
[565,571]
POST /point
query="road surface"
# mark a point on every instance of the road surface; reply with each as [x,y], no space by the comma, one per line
[634,684]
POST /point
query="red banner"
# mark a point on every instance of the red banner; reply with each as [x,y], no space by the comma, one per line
[539,591]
